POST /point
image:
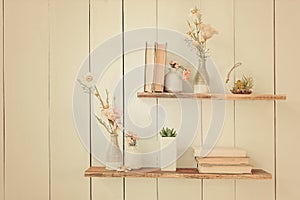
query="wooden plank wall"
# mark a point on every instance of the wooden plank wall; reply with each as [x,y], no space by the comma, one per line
[26,96]
[68,47]
[1,109]
[287,62]
[45,43]
[106,22]
[253,133]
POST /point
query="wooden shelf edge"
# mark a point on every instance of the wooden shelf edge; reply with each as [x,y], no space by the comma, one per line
[187,173]
[213,96]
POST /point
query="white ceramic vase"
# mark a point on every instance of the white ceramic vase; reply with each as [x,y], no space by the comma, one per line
[173,81]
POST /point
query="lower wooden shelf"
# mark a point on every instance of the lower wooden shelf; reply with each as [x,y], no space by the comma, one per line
[188,173]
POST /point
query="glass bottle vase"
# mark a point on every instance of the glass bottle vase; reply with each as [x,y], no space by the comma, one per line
[113,153]
[201,79]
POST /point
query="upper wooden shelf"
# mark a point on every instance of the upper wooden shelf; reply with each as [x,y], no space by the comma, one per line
[189,173]
[213,96]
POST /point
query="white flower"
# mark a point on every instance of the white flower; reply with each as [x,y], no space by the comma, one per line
[87,82]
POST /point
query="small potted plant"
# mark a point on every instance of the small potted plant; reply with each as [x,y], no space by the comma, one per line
[168,153]
[241,86]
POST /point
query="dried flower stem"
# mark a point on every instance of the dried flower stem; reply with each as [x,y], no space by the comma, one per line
[108,128]
[234,66]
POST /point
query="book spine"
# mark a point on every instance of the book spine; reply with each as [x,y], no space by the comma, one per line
[223,160]
[149,67]
[159,67]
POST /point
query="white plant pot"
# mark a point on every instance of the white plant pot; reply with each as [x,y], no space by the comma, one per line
[133,158]
[168,153]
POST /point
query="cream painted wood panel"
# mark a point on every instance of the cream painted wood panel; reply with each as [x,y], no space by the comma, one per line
[137,188]
[68,49]
[139,15]
[219,13]
[105,24]
[185,189]
[26,97]
[287,62]
[254,120]
[173,15]
[1,109]
[169,18]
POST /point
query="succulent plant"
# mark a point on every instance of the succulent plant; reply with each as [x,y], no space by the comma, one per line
[167,132]
[243,86]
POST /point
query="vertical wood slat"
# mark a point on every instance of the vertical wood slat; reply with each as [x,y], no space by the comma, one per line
[170,18]
[254,48]
[105,23]
[287,68]
[68,49]
[219,13]
[26,97]
[139,189]
[1,106]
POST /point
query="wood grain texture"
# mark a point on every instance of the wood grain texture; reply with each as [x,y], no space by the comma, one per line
[68,49]
[186,173]
[26,97]
[213,96]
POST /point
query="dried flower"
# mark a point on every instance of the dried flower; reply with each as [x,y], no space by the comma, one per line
[199,33]
[111,118]
[185,72]
[195,11]
[207,31]
[131,139]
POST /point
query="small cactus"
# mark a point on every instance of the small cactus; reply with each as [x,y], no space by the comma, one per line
[167,132]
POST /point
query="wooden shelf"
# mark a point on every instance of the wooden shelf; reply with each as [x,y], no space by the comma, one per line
[188,173]
[213,96]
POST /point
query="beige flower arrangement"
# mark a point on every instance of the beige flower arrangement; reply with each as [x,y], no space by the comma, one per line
[199,33]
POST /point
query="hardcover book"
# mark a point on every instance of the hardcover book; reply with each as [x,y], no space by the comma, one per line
[219,152]
[224,169]
[159,67]
[149,68]
[223,160]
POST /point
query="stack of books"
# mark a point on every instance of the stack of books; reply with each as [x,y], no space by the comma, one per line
[222,160]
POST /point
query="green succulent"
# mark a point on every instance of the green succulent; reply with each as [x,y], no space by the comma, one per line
[167,132]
